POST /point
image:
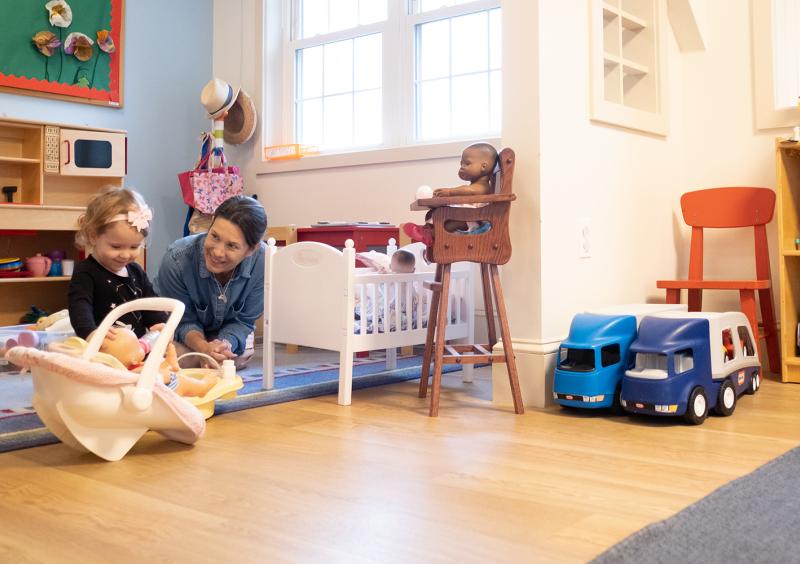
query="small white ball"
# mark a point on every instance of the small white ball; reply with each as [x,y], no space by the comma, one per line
[424,192]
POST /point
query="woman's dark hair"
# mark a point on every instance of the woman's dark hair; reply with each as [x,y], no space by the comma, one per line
[247,214]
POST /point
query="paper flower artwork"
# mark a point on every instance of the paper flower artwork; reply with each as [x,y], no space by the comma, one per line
[59,12]
[105,42]
[46,42]
[79,45]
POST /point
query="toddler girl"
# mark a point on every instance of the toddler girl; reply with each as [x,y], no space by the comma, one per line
[114,227]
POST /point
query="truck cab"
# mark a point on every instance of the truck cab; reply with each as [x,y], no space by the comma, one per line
[594,356]
[685,364]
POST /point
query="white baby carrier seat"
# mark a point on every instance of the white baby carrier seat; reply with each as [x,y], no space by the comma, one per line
[104,410]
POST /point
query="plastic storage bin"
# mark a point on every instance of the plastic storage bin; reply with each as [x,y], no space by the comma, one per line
[25,336]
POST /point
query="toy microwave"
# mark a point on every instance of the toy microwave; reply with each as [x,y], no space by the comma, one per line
[77,152]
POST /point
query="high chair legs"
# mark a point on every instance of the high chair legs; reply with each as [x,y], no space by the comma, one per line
[466,353]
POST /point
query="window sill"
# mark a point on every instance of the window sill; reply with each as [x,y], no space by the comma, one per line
[369,157]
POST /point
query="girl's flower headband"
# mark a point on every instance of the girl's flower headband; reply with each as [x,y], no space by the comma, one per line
[139,218]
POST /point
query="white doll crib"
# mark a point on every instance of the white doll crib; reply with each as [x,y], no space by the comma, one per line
[310,292]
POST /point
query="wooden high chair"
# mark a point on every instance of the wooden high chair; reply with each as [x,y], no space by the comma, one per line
[489,249]
[727,208]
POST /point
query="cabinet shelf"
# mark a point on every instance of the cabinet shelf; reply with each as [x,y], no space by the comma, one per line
[19,160]
[629,21]
[34,279]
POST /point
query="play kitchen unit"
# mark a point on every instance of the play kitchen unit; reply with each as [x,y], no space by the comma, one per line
[48,173]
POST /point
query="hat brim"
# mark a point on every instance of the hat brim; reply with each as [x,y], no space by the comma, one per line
[218,114]
[240,123]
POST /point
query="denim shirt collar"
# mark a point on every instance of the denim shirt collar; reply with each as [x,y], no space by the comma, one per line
[243,269]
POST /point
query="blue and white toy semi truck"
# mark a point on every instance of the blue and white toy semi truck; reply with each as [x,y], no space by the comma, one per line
[594,356]
[688,363]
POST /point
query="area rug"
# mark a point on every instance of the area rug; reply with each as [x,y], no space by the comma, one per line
[755,518]
[22,428]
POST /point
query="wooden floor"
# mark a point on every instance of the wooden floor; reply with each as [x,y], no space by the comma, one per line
[311,481]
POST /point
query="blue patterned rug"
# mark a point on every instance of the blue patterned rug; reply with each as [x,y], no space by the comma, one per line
[22,428]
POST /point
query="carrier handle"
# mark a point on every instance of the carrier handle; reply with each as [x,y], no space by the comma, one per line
[142,396]
[216,364]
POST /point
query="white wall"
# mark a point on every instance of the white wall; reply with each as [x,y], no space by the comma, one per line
[722,146]
[624,183]
[163,73]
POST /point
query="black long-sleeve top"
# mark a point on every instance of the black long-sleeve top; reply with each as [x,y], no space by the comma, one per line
[94,291]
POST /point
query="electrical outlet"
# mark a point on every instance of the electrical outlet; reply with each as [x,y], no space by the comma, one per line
[585,239]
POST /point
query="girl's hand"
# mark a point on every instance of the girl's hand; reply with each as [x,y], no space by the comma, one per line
[158,327]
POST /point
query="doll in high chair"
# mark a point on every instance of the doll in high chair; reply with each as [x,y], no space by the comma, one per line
[478,163]
[131,352]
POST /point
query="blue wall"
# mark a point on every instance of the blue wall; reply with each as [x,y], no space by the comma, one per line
[167,61]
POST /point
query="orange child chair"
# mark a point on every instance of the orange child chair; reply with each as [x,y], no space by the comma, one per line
[728,208]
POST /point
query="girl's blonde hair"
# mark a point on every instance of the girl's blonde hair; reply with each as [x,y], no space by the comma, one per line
[110,202]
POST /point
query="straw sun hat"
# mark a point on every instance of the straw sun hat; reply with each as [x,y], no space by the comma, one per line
[219,97]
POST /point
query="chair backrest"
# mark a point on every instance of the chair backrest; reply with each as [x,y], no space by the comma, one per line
[728,208]
[490,247]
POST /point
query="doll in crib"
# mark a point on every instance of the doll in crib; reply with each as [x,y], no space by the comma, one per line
[402,262]
[131,352]
[478,162]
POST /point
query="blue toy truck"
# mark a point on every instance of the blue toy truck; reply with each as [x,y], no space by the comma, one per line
[688,363]
[594,356]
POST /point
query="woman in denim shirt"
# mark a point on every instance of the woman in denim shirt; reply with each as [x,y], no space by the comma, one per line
[219,276]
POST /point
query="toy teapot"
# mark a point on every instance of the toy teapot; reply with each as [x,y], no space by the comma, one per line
[39,265]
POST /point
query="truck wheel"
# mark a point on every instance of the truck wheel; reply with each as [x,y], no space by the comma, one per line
[755,383]
[696,407]
[726,402]
[616,406]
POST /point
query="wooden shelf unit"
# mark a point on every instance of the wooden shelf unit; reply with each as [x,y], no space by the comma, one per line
[788,208]
[43,216]
[628,51]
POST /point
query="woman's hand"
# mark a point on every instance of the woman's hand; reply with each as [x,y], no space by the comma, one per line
[219,350]
[158,327]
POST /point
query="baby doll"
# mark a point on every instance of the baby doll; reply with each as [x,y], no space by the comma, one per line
[477,167]
[403,262]
[131,352]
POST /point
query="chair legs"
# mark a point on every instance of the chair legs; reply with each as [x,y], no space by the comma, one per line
[770,330]
[747,304]
[435,342]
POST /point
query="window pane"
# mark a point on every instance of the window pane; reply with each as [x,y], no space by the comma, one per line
[495,101]
[343,14]
[495,43]
[434,109]
[310,72]
[470,104]
[309,122]
[338,67]
[368,126]
[338,121]
[371,11]
[367,63]
[428,5]
[313,17]
[470,43]
[786,49]
[434,49]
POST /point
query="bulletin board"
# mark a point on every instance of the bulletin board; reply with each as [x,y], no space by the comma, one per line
[64,49]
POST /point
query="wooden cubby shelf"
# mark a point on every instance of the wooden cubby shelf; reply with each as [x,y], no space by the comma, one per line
[43,215]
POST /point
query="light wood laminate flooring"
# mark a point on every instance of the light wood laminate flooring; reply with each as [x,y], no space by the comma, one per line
[380,481]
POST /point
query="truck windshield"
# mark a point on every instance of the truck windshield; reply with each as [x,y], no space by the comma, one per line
[649,365]
[576,360]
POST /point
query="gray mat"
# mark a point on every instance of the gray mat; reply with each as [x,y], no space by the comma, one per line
[755,518]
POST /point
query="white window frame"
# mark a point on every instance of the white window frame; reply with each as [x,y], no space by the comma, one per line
[398,67]
[767,115]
